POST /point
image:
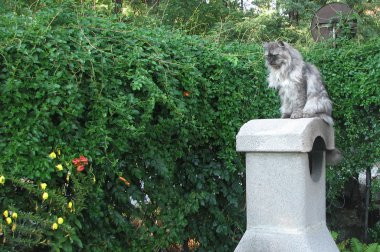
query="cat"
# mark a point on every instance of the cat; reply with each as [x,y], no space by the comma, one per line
[300,87]
[299,84]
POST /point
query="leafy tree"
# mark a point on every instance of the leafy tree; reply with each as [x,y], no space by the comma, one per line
[294,9]
[196,16]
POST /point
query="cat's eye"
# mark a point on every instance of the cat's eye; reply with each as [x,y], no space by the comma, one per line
[272,55]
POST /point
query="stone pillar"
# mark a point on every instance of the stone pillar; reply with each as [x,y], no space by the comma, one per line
[285,180]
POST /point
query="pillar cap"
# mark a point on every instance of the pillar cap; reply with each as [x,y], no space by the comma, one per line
[283,135]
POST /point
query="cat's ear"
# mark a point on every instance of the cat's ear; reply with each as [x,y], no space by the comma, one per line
[265,45]
[281,44]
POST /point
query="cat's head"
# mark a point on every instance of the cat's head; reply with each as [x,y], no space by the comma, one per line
[279,54]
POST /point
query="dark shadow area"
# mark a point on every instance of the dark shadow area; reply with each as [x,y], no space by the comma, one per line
[316,156]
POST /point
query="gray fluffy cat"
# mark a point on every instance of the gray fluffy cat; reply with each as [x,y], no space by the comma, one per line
[299,83]
[300,87]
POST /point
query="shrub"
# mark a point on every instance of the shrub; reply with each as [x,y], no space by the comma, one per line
[156,113]
[268,26]
[354,245]
[352,80]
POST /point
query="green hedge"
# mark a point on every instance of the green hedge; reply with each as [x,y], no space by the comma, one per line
[154,106]
[157,108]
[352,75]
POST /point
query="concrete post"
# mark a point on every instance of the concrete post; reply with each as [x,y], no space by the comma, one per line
[285,180]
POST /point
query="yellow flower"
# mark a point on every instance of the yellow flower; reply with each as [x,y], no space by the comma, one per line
[43,186]
[60,220]
[52,155]
[8,220]
[6,213]
[45,196]
[14,227]
[59,152]
[59,167]
[68,176]
[54,226]
[14,215]
[2,180]
[70,205]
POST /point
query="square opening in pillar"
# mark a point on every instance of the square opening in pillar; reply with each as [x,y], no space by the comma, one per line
[316,158]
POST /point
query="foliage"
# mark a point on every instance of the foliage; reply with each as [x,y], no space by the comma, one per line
[46,216]
[156,113]
[290,21]
[368,16]
[304,8]
[352,81]
[354,245]
[196,16]
[374,232]
[156,108]
[268,26]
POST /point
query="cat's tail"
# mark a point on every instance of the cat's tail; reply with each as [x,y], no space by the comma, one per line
[328,119]
[333,157]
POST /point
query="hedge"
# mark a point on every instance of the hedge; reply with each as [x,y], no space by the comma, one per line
[352,76]
[154,107]
[155,112]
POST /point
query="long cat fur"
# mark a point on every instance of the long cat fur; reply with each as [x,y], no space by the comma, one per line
[300,87]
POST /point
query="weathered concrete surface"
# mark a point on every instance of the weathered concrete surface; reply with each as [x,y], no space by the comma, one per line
[283,135]
[286,209]
[317,240]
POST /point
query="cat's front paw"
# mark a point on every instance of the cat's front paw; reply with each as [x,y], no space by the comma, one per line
[283,116]
[309,115]
[296,115]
